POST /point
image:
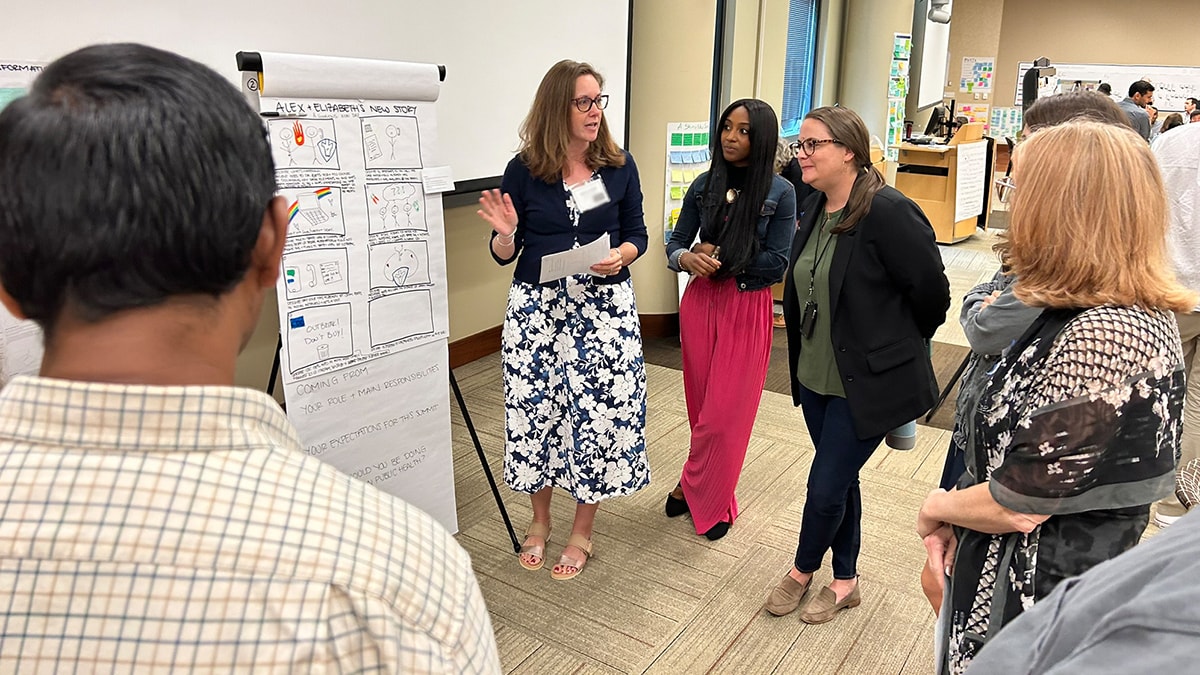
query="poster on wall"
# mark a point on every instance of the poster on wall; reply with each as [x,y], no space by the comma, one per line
[688,156]
[362,294]
[969,184]
[897,92]
[977,74]
[1172,84]
[976,112]
[1006,123]
[20,341]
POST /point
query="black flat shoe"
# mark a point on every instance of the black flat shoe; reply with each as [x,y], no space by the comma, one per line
[675,507]
[717,531]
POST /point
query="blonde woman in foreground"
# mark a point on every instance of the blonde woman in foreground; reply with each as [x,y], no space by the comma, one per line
[1078,426]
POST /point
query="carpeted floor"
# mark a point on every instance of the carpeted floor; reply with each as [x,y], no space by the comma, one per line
[946,360]
[657,598]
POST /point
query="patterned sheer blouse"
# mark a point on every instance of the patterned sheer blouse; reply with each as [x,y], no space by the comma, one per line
[1081,421]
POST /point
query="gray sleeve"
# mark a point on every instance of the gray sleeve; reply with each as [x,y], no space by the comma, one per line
[990,329]
[1021,648]
[1133,649]
[1136,613]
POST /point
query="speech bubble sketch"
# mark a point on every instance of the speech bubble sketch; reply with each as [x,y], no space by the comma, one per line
[396,206]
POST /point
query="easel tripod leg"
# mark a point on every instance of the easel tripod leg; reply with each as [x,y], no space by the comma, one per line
[487,470]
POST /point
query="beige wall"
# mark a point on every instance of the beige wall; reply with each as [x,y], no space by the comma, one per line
[827,70]
[1150,32]
[477,286]
[867,57]
[671,82]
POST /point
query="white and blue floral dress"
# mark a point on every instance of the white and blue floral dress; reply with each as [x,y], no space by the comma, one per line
[574,373]
[574,390]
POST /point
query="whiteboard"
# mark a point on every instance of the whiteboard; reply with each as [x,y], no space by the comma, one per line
[931,55]
[1172,84]
[495,53]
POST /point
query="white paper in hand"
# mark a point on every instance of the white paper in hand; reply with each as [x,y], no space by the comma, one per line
[575,261]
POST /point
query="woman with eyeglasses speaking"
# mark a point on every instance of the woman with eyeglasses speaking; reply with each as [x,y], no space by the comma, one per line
[864,289]
[743,216]
[574,375]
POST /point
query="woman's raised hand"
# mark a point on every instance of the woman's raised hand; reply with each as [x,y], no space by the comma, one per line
[498,211]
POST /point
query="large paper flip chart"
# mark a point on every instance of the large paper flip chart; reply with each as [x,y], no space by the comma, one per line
[362,292]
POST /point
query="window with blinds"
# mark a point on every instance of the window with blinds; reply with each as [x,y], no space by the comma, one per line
[798,69]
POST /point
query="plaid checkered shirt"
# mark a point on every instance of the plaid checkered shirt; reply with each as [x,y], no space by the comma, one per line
[183,529]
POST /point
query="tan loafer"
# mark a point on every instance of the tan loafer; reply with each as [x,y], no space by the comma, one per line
[823,607]
[786,596]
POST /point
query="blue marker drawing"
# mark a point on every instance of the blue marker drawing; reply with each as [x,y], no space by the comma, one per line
[297,322]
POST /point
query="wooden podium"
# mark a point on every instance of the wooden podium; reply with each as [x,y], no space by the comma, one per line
[930,176]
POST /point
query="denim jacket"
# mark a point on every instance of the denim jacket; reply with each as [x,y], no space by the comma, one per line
[776,224]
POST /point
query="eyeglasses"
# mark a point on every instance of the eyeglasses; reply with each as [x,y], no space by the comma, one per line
[808,146]
[1004,189]
[584,104]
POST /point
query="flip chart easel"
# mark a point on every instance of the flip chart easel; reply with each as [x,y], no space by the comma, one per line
[362,297]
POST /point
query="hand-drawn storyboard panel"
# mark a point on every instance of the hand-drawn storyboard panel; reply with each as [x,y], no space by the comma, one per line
[314,211]
[396,206]
[391,142]
[399,264]
[320,271]
[318,334]
[401,316]
[304,143]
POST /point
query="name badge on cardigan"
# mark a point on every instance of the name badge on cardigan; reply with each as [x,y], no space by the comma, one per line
[589,194]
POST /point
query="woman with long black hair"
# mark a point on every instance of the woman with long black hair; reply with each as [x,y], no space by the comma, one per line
[743,216]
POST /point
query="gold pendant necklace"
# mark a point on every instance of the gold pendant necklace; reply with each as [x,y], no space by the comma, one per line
[731,194]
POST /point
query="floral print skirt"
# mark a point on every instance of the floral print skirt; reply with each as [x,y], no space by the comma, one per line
[574,389]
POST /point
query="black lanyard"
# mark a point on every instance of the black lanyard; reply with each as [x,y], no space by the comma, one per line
[812,274]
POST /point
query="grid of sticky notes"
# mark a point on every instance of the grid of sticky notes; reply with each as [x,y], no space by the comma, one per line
[688,155]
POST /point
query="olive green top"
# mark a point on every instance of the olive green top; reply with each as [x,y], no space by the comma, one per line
[816,368]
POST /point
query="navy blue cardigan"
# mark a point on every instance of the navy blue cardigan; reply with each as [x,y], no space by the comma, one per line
[544,222]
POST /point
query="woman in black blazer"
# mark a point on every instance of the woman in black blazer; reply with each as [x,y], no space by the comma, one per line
[865,288]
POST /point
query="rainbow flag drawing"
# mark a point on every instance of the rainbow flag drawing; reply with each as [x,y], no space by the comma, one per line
[320,193]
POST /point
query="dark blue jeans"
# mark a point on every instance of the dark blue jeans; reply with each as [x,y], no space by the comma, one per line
[833,509]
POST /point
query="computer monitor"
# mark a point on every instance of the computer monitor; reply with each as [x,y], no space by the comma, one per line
[941,120]
[937,121]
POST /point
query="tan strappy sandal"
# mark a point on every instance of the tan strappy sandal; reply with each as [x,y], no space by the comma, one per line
[538,551]
[570,565]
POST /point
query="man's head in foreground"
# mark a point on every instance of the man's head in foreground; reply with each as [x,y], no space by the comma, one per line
[139,224]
